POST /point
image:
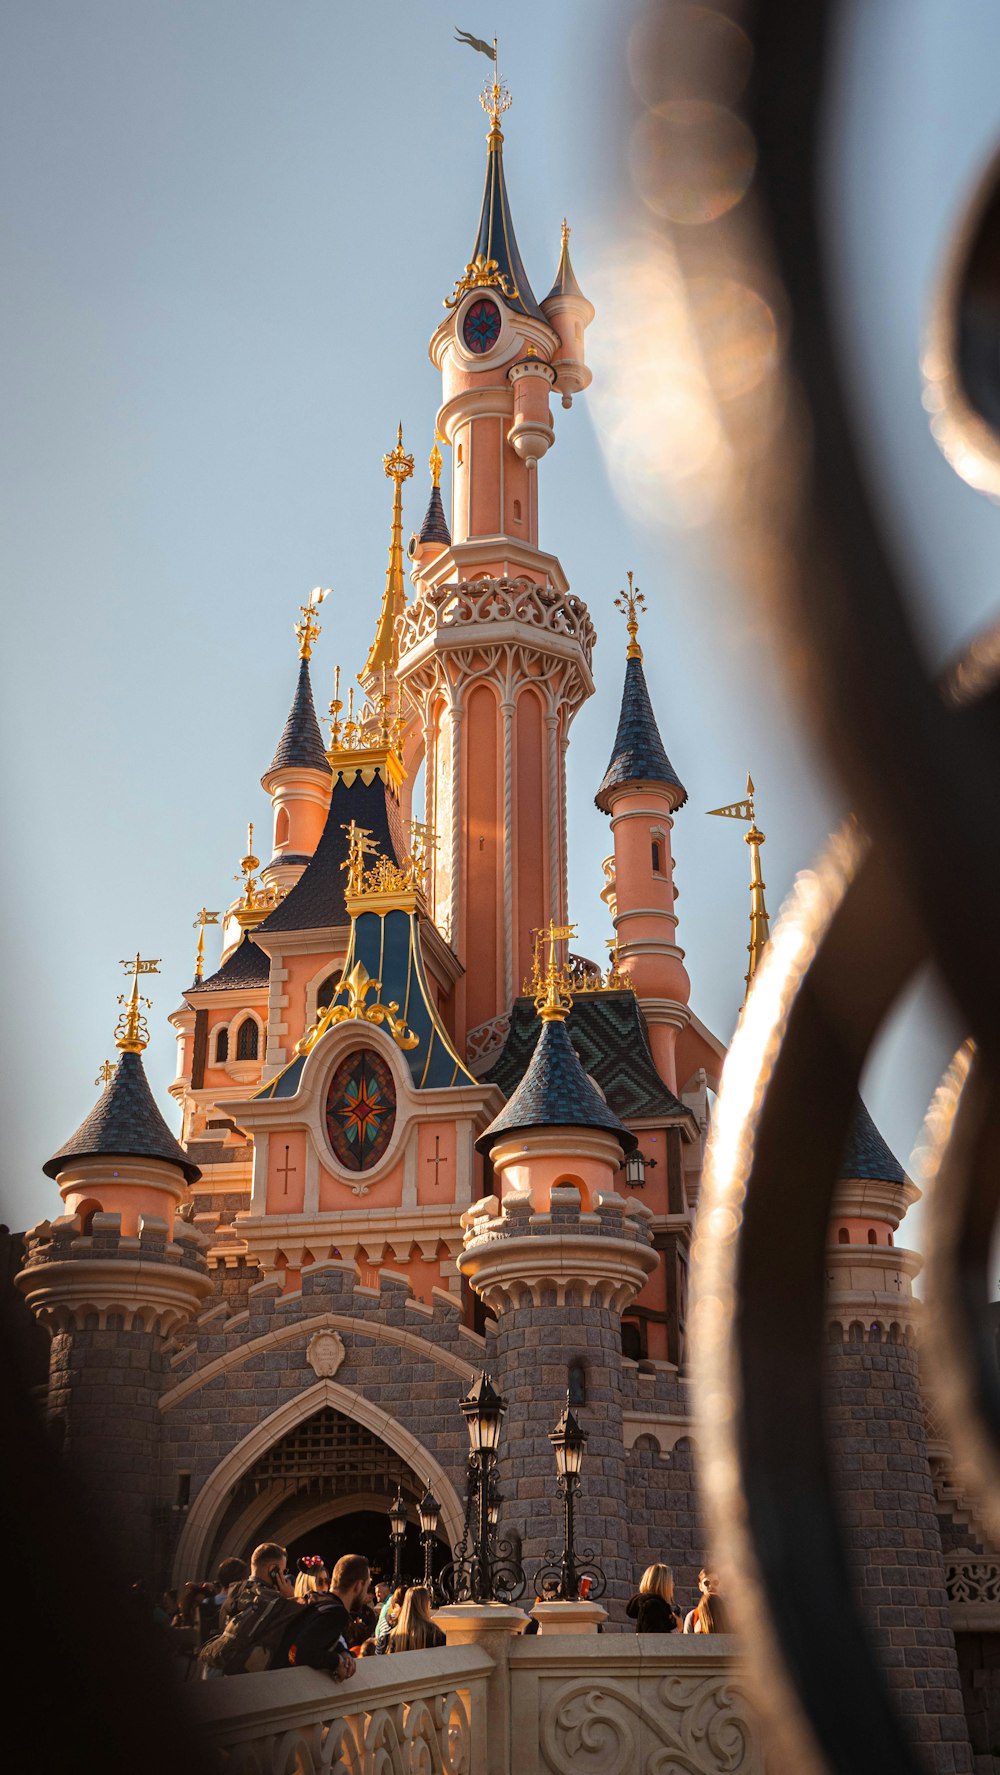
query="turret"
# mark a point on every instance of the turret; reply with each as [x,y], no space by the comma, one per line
[434,536]
[298,776]
[870,1277]
[642,791]
[567,309]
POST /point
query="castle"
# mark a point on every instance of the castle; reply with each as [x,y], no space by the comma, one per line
[421,1139]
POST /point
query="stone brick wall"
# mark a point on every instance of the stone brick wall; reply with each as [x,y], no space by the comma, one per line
[663,1516]
[887,1505]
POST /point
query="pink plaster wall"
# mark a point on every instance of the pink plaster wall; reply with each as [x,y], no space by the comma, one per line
[531,830]
[386,1193]
[435,1182]
[481,916]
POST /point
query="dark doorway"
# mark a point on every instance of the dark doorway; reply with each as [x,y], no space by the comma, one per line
[367,1532]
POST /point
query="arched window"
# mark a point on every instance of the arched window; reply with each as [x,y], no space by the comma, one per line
[657,857]
[86,1211]
[844,1236]
[872,1236]
[517,511]
[576,1388]
[222,1047]
[632,1341]
[246,1040]
[282,826]
[325,994]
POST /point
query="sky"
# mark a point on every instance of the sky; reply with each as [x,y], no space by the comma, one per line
[227,232]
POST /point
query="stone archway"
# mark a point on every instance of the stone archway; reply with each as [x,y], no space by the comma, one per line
[296,1448]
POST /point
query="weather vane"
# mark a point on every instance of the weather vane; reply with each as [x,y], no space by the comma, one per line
[630,603]
[759,924]
[131,1030]
[307,629]
[495,97]
[105,1073]
[204,917]
[554,1000]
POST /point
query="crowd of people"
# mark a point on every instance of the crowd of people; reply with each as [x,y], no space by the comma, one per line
[257,1615]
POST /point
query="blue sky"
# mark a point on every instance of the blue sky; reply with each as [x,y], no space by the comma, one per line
[228,229]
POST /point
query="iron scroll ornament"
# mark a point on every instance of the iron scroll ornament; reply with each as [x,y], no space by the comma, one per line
[802,514]
[486,1568]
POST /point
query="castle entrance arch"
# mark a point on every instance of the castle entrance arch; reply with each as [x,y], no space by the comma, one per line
[324,1458]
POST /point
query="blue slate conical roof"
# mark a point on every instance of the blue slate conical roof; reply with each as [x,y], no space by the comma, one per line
[124,1123]
[866,1154]
[638,755]
[496,238]
[247,967]
[555,1092]
[435,525]
[301,743]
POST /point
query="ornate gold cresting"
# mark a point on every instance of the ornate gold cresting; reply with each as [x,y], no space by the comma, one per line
[554,1001]
[576,975]
[357,985]
[482,273]
[398,466]
[132,1030]
[204,917]
[105,1073]
[256,901]
[384,878]
[307,629]
[630,603]
[759,923]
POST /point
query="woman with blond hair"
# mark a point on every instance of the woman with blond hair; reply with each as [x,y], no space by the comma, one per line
[313,1578]
[415,1631]
[653,1608]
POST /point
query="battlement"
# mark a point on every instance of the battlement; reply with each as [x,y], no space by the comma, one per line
[145,1280]
[616,1217]
[516,1256]
[61,1241]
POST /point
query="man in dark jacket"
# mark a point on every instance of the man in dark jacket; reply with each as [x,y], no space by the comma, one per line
[322,1639]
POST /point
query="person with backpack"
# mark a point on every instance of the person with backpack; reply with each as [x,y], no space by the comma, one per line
[262,1610]
[320,1638]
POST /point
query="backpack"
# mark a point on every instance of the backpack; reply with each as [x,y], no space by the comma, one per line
[253,1639]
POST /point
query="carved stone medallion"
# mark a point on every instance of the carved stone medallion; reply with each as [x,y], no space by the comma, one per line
[324,1353]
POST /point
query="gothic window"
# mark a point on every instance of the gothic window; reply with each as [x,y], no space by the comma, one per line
[844,1236]
[517,511]
[325,994]
[360,1110]
[657,857]
[222,1047]
[246,1040]
[872,1236]
[577,1384]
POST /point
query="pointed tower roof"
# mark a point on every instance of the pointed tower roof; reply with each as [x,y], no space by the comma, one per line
[496,259]
[638,755]
[866,1154]
[125,1123]
[565,283]
[301,742]
[384,652]
[247,967]
[435,525]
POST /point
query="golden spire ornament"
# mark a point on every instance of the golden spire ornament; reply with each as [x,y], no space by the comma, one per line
[307,629]
[398,467]
[132,1030]
[105,1074]
[759,923]
[630,603]
[554,1002]
[495,97]
[204,917]
[336,704]
[436,462]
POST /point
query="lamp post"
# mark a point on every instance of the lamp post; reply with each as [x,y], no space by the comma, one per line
[429,1511]
[488,1571]
[559,1578]
[397,1535]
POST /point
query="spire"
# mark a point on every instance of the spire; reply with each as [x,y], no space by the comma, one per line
[204,917]
[435,525]
[125,1122]
[759,923]
[385,647]
[866,1155]
[565,283]
[496,260]
[301,744]
[638,755]
[555,1092]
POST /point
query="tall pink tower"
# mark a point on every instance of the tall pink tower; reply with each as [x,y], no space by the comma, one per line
[494,652]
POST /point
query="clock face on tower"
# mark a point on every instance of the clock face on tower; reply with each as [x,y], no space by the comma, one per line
[481,326]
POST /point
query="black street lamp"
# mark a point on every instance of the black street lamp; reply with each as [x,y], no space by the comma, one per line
[429,1511]
[486,1571]
[559,1578]
[397,1535]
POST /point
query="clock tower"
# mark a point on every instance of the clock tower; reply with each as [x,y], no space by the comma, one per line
[495,651]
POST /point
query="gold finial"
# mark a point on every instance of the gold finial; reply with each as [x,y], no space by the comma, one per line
[105,1073]
[131,1030]
[307,629]
[759,922]
[630,603]
[335,707]
[436,461]
[565,232]
[554,1003]
[398,467]
[360,844]
[204,917]
[495,98]
[423,840]
[247,866]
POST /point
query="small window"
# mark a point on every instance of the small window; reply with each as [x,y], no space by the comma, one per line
[657,857]
[461,457]
[325,994]
[86,1212]
[844,1236]
[872,1236]
[222,1047]
[182,1495]
[246,1040]
[517,511]
[632,1343]
[282,826]
[576,1390]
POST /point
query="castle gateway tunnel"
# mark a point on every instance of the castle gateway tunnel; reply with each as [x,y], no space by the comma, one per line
[324,1486]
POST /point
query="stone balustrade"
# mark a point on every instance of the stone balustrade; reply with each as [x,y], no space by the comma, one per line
[551,1704]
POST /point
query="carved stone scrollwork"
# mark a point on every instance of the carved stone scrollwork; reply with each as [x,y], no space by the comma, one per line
[688,1723]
